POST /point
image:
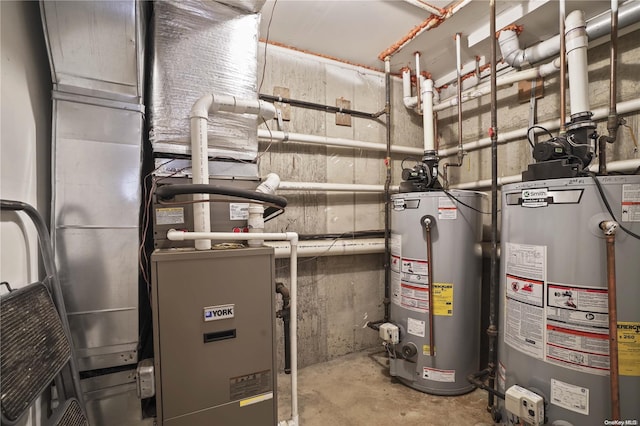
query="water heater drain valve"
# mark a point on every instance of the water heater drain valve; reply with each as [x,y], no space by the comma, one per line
[390,333]
[526,405]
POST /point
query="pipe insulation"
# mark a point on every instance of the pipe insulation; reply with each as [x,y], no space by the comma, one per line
[200,148]
[626,107]
[628,13]
[577,42]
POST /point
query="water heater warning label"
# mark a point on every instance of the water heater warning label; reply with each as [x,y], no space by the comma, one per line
[437,375]
[631,203]
[443,299]
[447,209]
[571,397]
[629,348]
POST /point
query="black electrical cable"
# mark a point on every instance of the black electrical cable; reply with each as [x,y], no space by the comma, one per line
[536,127]
[354,234]
[450,195]
[170,191]
[608,206]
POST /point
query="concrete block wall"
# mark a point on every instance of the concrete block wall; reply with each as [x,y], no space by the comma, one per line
[339,294]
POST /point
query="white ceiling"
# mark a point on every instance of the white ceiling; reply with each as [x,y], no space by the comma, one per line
[357,31]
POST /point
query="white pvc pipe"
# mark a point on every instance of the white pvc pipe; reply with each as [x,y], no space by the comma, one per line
[335,187]
[200,149]
[598,114]
[292,237]
[277,136]
[577,42]
[255,222]
[319,248]
[419,81]
[427,114]
[614,166]
[425,6]
[408,100]
[597,27]
[504,80]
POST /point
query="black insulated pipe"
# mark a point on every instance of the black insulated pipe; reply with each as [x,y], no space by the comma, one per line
[170,191]
[320,107]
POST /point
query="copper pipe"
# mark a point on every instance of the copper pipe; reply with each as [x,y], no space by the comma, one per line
[563,72]
[609,229]
[387,194]
[427,226]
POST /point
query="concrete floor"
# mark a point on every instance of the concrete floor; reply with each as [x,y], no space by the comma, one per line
[357,390]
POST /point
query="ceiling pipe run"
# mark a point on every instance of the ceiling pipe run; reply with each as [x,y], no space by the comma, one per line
[431,22]
[628,13]
[426,6]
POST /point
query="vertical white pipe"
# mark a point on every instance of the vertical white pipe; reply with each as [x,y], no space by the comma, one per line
[406,83]
[577,42]
[293,331]
[427,114]
[200,168]
[418,82]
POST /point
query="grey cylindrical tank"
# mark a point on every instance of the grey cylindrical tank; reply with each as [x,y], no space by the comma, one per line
[456,233]
[553,321]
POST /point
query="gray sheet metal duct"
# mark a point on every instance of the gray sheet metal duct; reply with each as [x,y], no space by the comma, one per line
[202,47]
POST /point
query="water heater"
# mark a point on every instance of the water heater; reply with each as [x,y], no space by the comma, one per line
[434,351]
[554,330]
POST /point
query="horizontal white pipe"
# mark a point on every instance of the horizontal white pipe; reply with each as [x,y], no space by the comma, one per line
[278,136]
[292,237]
[597,27]
[317,248]
[338,187]
[504,80]
[598,114]
[425,6]
[614,166]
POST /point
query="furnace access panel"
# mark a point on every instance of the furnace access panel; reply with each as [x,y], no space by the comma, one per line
[213,325]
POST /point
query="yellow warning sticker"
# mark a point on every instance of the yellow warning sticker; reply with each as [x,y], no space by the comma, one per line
[629,348]
[256,399]
[443,299]
[426,350]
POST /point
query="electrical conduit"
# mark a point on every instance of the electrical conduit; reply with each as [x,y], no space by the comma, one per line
[292,237]
[200,149]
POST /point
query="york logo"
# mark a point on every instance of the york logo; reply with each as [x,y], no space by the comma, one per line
[213,313]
